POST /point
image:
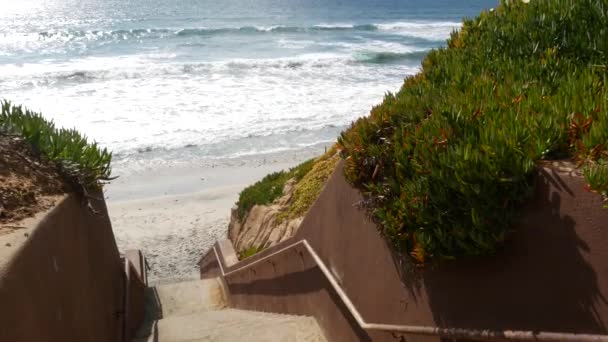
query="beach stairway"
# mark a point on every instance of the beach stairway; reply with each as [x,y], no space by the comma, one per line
[197,311]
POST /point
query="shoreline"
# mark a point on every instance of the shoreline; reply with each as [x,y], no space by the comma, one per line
[174,213]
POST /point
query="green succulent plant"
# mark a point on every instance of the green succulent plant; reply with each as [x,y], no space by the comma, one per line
[446,162]
[84,163]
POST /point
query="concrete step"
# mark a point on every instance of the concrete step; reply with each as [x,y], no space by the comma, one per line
[196,311]
[190,297]
[179,299]
[238,325]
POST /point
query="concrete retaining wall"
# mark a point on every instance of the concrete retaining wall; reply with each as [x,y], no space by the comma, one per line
[551,276]
[61,278]
[289,283]
[135,304]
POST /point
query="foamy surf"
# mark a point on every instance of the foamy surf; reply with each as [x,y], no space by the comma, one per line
[206,80]
[52,40]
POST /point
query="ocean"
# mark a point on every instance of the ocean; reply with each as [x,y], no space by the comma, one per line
[188,80]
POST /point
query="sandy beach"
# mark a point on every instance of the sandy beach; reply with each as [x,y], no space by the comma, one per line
[174,213]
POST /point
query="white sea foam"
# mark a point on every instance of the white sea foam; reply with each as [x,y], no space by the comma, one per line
[426,30]
[52,41]
[334,26]
[94,69]
[226,108]
[159,97]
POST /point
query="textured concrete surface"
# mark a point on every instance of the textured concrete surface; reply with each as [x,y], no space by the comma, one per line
[61,277]
[238,325]
[196,311]
[190,297]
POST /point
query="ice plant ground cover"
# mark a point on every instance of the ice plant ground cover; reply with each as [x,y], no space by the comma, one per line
[447,161]
[84,164]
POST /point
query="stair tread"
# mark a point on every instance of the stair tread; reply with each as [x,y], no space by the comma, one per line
[195,311]
[238,325]
[189,297]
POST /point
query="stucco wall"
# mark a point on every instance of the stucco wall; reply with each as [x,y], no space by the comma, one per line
[552,274]
[61,278]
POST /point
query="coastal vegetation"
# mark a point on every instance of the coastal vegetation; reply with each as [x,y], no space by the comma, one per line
[308,188]
[83,164]
[272,209]
[446,163]
[309,177]
[270,187]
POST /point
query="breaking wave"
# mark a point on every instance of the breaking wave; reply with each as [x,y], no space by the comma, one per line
[425,30]
[116,69]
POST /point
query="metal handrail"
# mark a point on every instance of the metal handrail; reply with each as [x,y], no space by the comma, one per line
[471,334]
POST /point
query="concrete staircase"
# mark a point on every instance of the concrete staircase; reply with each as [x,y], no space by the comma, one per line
[196,311]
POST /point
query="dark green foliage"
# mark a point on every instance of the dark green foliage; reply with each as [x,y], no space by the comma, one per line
[86,164]
[270,187]
[446,162]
